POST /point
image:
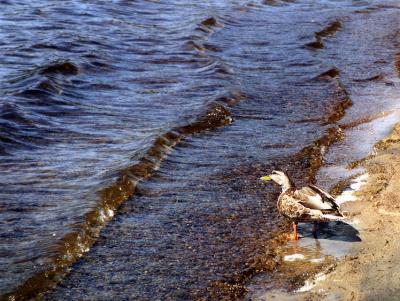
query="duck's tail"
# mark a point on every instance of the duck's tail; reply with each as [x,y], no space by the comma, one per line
[333,218]
[319,216]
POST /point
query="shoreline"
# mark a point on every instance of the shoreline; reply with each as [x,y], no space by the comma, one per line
[371,268]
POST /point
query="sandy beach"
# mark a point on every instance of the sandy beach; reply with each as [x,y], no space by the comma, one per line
[371,270]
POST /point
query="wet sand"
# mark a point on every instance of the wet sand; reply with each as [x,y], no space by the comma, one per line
[371,270]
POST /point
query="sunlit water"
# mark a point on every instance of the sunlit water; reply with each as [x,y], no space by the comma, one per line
[158,117]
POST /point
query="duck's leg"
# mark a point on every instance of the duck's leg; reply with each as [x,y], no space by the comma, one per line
[295,237]
[314,230]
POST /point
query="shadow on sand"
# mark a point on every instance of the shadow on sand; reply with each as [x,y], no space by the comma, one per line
[339,231]
[334,239]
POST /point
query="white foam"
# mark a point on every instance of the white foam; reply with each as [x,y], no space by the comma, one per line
[345,198]
[294,257]
[102,216]
[110,213]
[317,260]
[309,284]
[356,186]
[348,194]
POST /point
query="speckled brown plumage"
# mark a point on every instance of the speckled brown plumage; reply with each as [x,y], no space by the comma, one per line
[308,204]
[290,208]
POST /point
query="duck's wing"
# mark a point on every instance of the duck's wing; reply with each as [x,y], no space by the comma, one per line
[291,206]
[327,197]
[313,197]
[324,192]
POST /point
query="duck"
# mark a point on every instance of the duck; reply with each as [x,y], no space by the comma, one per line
[308,204]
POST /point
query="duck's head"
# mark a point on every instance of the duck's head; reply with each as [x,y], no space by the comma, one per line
[280,178]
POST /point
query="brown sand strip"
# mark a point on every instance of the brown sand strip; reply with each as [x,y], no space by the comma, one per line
[372,270]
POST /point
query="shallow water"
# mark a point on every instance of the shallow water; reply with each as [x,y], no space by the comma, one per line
[159,116]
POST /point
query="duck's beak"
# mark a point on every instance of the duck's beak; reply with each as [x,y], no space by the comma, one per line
[265,178]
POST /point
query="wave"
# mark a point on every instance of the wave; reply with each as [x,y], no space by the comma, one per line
[33,95]
[63,67]
[47,85]
[328,31]
[75,244]
[331,73]
[48,80]
[308,159]
[17,130]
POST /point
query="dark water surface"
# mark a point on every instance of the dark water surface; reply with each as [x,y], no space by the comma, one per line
[159,116]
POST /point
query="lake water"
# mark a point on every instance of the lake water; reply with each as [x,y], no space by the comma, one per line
[133,134]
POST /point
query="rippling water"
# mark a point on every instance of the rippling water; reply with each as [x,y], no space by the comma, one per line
[159,116]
